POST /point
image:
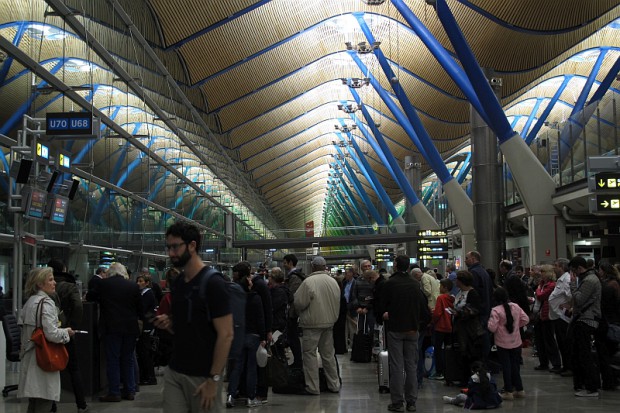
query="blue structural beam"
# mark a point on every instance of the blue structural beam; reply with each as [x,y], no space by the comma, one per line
[344,166]
[465,168]
[535,184]
[411,123]
[530,119]
[496,119]
[349,194]
[606,83]
[383,149]
[347,210]
[543,117]
[581,113]
[443,57]
[362,163]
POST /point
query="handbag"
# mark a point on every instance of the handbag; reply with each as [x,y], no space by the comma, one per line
[50,356]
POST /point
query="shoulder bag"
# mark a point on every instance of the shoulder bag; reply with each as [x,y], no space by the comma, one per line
[50,356]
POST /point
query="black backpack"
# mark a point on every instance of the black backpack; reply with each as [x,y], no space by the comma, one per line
[237,306]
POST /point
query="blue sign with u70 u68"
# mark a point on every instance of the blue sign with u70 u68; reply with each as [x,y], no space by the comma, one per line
[69,123]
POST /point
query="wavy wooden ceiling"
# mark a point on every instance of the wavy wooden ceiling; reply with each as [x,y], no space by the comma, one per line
[265,74]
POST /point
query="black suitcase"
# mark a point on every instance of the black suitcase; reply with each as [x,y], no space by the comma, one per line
[361,347]
[453,372]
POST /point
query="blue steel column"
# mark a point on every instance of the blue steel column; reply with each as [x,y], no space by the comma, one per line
[461,204]
[543,117]
[535,185]
[360,211]
[362,163]
[578,118]
[424,218]
[359,188]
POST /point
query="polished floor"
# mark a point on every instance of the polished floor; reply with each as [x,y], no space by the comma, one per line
[545,392]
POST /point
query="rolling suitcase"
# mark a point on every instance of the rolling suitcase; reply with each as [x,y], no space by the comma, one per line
[383,372]
[453,372]
[361,348]
[383,367]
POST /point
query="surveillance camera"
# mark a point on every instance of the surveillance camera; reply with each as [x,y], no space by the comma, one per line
[496,81]
[394,80]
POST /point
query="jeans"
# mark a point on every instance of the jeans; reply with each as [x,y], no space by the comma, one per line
[403,357]
[511,368]
[246,359]
[119,354]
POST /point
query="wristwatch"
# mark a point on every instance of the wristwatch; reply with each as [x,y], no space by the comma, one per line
[214,377]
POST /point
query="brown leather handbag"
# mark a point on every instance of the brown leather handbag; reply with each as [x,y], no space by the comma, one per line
[50,356]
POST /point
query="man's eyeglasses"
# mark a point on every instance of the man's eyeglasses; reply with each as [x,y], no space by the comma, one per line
[174,247]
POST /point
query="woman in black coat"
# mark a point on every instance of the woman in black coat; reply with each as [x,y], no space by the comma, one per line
[281,299]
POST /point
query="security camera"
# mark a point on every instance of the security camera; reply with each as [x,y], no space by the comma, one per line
[496,81]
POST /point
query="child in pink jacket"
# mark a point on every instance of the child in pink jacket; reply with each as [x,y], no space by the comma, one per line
[505,321]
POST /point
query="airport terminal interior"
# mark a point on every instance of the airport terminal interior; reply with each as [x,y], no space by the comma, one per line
[350,129]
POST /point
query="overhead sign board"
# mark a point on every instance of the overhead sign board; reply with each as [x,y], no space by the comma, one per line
[384,254]
[432,245]
[605,181]
[605,203]
[69,123]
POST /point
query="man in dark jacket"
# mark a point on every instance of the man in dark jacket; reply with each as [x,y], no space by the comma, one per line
[120,305]
[294,277]
[71,312]
[401,303]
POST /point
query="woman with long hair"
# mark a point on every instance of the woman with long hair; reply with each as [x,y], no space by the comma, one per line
[41,387]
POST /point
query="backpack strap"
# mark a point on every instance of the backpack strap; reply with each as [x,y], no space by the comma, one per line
[208,272]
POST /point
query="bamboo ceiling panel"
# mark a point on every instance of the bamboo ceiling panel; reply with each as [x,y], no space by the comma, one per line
[263,69]
[327,92]
[310,179]
[307,84]
[289,171]
[268,150]
[180,19]
[550,15]
[270,175]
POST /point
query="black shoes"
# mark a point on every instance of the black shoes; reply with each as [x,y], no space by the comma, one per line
[541,368]
[110,398]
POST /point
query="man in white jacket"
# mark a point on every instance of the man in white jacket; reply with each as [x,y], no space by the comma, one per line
[317,301]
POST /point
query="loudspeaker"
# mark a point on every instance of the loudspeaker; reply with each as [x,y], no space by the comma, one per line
[52,181]
[74,187]
[20,170]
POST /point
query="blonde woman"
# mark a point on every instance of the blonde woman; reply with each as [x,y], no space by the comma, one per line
[40,387]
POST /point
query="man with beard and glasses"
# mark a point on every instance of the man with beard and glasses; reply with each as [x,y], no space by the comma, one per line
[202,327]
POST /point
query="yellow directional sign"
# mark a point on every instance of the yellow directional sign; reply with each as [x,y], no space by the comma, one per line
[607,181]
[608,202]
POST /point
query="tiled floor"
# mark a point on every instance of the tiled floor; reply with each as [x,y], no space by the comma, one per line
[546,392]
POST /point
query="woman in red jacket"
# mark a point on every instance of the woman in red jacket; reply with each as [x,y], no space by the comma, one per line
[545,339]
[442,325]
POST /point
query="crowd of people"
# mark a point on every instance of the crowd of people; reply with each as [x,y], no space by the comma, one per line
[476,320]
